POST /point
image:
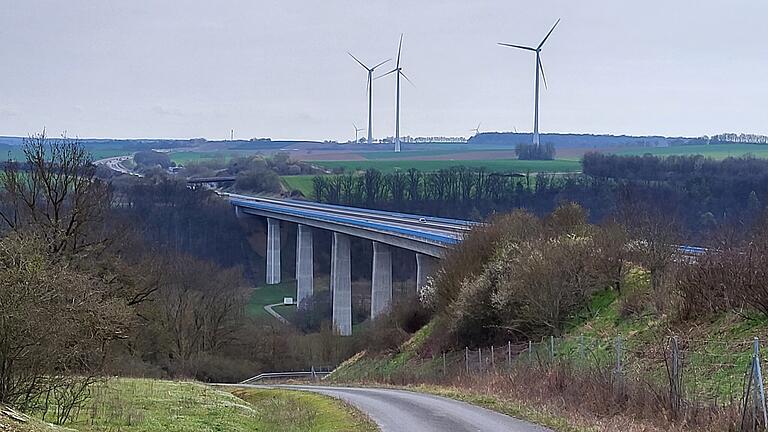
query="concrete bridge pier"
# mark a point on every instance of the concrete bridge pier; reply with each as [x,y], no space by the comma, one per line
[341,284]
[273,251]
[425,265]
[304,265]
[381,282]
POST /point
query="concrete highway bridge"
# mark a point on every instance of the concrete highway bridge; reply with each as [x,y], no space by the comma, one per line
[428,236]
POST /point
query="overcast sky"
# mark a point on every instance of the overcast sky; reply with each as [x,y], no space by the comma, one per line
[279,68]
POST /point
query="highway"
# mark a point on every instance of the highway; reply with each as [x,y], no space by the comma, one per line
[440,230]
[406,411]
[116,164]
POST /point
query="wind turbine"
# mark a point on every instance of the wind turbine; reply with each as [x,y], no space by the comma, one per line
[369,90]
[357,130]
[539,68]
[399,72]
[477,129]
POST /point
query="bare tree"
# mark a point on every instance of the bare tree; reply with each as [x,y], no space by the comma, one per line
[56,194]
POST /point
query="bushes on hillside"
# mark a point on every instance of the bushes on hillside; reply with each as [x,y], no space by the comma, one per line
[731,278]
[522,277]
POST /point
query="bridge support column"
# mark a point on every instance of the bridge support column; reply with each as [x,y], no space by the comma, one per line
[304,266]
[425,265]
[381,284]
[273,251]
[341,285]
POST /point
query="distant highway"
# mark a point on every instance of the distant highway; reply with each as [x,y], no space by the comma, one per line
[116,164]
[400,410]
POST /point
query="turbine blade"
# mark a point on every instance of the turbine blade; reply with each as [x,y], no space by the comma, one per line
[399,50]
[547,36]
[541,68]
[406,78]
[361,63]
[368,85]
[518,46]
[388,73]
[374,68]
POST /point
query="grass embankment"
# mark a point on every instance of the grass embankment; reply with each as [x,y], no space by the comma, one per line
[716,353]
[290,411]
[491,165]
[139,405]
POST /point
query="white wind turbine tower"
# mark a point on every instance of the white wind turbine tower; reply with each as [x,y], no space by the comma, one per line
[477,129]
[539,68]
[399,72]
[369,90]
[357,130]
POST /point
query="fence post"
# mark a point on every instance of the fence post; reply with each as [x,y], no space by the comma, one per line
[480,357]
[509,354]
[493,359]
[530,352]
[551,348]
[618,355]
[675,388]
[466,359]
[759,388]
[444,369]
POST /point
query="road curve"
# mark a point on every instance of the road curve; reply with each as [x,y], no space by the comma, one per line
[406,411]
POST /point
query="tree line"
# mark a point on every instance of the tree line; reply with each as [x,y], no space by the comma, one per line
[703,193]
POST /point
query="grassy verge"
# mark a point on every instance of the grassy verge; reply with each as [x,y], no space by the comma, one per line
[294,411]
[140,405]
[537,415]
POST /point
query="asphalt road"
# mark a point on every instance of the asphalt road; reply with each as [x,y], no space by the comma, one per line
[405,411]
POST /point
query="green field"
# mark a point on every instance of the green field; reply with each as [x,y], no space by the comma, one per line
[382,155]
[715,151]
[184,157]
[271,294]
[141,405]
[495,165]
[302,183]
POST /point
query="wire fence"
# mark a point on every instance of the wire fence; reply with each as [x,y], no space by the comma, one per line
[688,374]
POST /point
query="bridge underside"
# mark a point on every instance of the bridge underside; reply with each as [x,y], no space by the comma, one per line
[427,250]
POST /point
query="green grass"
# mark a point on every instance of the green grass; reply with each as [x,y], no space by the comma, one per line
[384,155]
[270,294]
[715,151]
[302,183]
[140,405]
[295,411]
[494,165]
